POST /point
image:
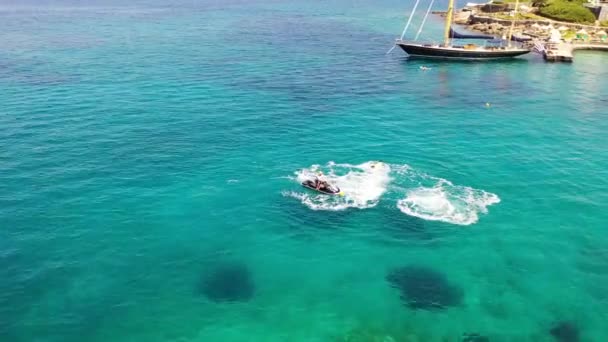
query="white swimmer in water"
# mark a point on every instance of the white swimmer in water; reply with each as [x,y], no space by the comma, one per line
[422,67]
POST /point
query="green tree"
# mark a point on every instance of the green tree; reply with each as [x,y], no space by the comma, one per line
[572,11]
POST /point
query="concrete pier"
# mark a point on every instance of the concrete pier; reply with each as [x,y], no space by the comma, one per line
[564,52]
[558,52]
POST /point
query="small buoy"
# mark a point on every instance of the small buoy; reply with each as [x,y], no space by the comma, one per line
[488,104]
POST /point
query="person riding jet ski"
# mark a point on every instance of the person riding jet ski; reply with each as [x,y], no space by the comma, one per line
[320,184]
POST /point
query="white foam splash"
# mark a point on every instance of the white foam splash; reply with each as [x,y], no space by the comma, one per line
[362,185]
[446,202]
[427,197]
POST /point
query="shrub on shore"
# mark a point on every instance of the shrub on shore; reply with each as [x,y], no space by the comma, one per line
[572,11]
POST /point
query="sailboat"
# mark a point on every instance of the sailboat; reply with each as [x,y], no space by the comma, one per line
[448,50]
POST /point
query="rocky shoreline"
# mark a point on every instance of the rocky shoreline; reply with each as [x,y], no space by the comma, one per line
[534,29]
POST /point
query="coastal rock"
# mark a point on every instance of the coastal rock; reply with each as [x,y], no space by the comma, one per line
[229,282]
[462,18]
[495,28]
[424,288]
[494,8]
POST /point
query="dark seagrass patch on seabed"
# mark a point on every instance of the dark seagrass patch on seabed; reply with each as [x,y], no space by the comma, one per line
[565,331]
[424,288]
[474,337]
[227,282]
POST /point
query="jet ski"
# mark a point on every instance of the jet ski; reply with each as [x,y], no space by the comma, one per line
[328,189]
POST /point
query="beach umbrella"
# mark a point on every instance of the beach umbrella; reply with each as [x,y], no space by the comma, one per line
[563,28]
[601,33]
[535,25]
[582,34]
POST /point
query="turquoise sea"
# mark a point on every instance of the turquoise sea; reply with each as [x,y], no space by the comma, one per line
[151,153]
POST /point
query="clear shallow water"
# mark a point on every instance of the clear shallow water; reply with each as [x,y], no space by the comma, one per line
[144,146]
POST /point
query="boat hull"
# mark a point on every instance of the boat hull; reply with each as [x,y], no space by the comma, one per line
[428,51]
